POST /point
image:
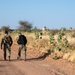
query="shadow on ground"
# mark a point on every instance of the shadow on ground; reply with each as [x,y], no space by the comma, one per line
[40,57]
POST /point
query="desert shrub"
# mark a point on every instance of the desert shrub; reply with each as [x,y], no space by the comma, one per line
[51,39]
[36,35]
[53,32]
[25,26]
[73,34]
[40,35]
[5,28]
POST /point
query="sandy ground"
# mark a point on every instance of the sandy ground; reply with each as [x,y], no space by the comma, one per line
[34,66]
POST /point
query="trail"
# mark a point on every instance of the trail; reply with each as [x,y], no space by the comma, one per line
[32,66]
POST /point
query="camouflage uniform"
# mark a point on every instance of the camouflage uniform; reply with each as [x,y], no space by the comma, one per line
[6,46]
[21,47]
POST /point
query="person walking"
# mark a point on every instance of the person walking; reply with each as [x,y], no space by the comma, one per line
[6,44]
[22,41]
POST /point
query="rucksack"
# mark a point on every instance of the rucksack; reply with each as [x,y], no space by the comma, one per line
[22,40]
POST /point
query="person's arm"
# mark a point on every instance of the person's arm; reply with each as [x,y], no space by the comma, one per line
[1,43]
[11,41]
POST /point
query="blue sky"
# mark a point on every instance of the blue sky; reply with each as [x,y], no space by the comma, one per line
[54,14]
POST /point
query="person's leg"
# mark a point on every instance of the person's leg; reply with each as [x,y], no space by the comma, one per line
[24,49]
[19,51]
[9,53]
[4,53]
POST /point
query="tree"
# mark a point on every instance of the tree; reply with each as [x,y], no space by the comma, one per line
[25,25]
[71,28]
[6,28]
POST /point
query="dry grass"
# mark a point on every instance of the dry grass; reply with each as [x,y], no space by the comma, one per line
[70,56]
[66,55]
[41,45]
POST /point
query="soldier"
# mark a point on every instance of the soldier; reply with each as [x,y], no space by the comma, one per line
[6,44]
[22,41]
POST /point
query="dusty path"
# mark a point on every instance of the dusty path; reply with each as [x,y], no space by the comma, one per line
[34,67]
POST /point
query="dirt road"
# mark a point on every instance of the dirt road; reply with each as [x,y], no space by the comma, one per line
[33,66]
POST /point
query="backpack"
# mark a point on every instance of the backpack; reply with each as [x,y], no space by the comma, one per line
[8,40]
[22,40]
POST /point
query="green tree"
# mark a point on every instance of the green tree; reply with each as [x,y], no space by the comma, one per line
[25,25]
